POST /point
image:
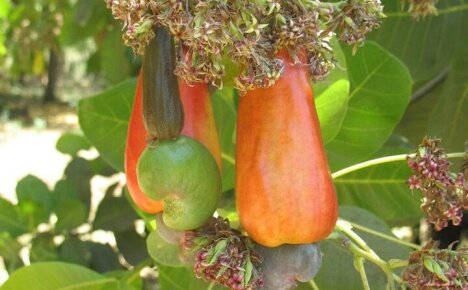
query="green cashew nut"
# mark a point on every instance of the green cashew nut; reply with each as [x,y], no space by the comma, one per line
[184,175]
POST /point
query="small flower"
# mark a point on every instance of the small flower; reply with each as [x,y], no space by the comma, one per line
[434,269]
[445,194]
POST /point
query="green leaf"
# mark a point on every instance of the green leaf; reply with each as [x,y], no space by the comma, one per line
[331,97]
[382,189]
[338,272]
[83,11]
[79,173]
[450,118]
[5,7]
[71,143]
[100,167]
[10,219]
[43,248]
[380,91]
[65,189]
[163,252]
[225,116]
[181,279]
[104,120]
[70,215]
[132,246]
[103,258]
[9,251]
[114,213]
[427,46]
[58,276]
[331,108]
[441,112]
[434,48]
[31,188]
[304,286]
[73,32]
[115,62]
[74,250]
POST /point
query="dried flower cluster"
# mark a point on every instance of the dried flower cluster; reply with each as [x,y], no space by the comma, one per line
[433,269]
[247,32]
[422,8]
[445,194]
[223,255]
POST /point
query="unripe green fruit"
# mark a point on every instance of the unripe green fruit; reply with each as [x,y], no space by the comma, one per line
[184,175]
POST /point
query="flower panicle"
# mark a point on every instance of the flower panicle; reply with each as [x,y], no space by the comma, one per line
[445,194]
[437,269]
[248,32]
[224,256]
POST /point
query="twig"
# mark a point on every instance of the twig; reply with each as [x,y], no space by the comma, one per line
[382,160]
[430,85]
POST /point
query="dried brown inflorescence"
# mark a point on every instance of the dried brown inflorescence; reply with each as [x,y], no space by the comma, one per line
[445,194]
[434,269]
[223,255]
[421,8]
[247,32]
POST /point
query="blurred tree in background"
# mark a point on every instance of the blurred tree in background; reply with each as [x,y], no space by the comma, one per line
[51,44]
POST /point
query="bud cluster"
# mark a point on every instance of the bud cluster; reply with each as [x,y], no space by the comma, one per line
[248,32]
[223,255]
[421,8]
[433,269]
[445,194]
[358,17]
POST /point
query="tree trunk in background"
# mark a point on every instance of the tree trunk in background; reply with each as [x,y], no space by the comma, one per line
[53,71]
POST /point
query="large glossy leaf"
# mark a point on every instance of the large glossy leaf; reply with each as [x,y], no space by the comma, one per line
[338,272]
[450,118]
[382,189]
[380,91]
[440,112]
[55,276]
[426,46]
[434,49]
[104,120]
[331,97]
